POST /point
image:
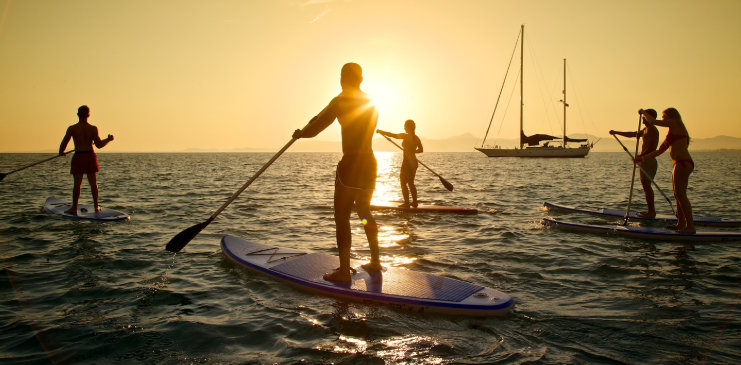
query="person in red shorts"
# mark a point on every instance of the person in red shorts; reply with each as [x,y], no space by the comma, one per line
[84,161]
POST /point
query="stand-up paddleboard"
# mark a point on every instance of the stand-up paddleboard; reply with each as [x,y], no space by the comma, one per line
[662,218]
[426,209]
[84,211]
[643,232]
[394,287]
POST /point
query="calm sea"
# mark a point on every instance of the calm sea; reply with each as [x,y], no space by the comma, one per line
[85,292]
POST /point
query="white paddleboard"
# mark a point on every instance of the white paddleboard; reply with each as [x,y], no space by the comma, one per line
[394,287]
[643,232]
[84,211]
[607,212]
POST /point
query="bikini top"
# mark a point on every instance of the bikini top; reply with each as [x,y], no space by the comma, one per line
[671,138]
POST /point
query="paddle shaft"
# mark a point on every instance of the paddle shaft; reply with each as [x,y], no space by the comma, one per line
[181,239]
[646,174]
[36,163]
[633,177]
[253,178]
[445,182]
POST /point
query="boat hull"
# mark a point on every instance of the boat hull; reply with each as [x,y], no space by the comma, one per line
[549,152]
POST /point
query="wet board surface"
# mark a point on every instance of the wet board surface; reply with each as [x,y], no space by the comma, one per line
[426,209]
[643,232]
[84,211]
[699,221]
[394,287]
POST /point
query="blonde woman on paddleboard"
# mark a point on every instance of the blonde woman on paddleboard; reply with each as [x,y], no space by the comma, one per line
[677,142]
[411,145]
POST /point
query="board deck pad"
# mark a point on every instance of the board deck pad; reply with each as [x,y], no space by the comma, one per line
[393,286]
[84,211]
[425,208]
[643,232]
[663,218]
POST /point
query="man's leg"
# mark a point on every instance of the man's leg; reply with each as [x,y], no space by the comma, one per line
[93,180]
[75,193]
[362,205]
[342,207]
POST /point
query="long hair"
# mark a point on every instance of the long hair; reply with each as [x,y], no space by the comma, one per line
[672,113]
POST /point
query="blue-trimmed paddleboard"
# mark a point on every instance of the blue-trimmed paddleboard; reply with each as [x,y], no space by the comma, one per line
[662,218]
[84,211]
[393,287]
[643,232]
[426,209]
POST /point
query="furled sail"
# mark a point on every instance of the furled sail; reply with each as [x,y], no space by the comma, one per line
[535,139]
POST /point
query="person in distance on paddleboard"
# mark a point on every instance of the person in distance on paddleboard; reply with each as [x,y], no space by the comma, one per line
[677,142]
[355,178]
[84,161]
[411,145]
[650,136]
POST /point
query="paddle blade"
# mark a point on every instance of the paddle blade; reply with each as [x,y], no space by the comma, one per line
[2,175]
[181,239]
[447,185]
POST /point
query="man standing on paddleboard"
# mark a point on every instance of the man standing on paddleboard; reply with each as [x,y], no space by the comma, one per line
[650,136]
[355,178]
[84,161]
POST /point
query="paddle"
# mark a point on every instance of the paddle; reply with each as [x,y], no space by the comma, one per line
[181,239]
[445,183]
[671,205]
[633,177]
[4,174]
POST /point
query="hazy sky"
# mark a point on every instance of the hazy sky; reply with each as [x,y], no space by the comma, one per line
[172,75]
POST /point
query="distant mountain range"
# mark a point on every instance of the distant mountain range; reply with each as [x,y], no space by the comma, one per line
[467,142]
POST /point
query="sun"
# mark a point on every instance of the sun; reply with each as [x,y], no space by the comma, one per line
[385,96]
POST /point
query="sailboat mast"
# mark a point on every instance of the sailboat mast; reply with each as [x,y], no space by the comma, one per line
[522,46]
[564,103]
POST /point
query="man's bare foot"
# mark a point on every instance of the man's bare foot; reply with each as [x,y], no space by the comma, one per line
[72,211]
[338,275]
[97,208]
[686,230]
[372,266]
[404,205]
[415,204]
[647,214]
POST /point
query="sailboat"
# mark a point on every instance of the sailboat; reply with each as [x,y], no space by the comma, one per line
[534,148]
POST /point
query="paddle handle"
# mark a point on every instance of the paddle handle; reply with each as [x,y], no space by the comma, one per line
[36,163]
[253,178]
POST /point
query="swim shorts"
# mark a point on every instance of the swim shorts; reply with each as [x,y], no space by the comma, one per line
[357,172]
[84,163]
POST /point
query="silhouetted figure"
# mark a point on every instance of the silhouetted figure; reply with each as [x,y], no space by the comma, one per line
[84,161]
[677,141]
[355,178]
[411,145]
[650,136]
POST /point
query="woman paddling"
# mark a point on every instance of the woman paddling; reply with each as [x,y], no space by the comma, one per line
[677,141]
[411,145]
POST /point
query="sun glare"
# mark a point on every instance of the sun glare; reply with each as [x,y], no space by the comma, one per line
[385,96]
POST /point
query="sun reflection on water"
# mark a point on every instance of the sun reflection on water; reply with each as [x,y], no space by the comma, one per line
[416,348]
[387,180]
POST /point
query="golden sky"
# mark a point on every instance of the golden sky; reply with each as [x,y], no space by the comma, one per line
[171,75]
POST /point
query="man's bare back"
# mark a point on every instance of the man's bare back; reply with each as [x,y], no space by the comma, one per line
[84,135]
